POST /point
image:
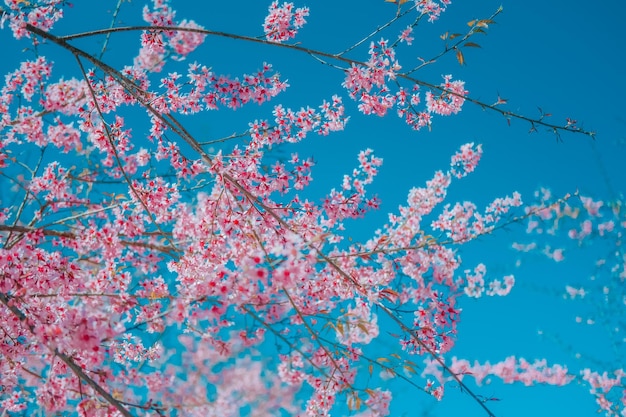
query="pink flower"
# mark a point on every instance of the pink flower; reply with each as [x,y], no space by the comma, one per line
[405,36]
[283,22]
[450,100]
[432,8]
[574,292]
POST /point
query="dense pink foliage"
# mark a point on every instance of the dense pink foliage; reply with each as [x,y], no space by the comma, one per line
[117,240]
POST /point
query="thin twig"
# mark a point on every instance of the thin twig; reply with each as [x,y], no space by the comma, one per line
[113,20]
[380,29]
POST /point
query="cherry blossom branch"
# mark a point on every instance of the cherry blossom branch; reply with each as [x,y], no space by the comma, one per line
[308,328]
[75,295]
[437,357]
[260,206]
[70,235]
[379,29]
[171,122]
[116,155]
[226,138]
[474,29]
[79,215]
[276,333]
[24,202]
[78,371]
[312,332]
[62,40]
[432,241]
[43,113]
[377,362]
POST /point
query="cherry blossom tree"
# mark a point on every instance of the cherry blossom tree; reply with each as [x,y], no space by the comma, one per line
[145,272]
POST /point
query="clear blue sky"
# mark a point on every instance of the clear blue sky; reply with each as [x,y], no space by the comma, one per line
[564,56]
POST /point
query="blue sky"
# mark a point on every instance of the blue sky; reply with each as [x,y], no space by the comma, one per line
[566,57]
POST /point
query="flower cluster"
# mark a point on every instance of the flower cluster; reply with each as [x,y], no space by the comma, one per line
[283,21]
[450,100]
[476,284]
[157,44]
[406,35]
[511,370]
[368,84]
[293,126]
[432,9]
[39,13]
[351,200]
[606,389]
[205,90]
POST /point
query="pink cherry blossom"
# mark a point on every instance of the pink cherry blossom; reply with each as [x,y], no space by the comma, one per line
[144,270]
[405,36]
[283,22]
[450,100]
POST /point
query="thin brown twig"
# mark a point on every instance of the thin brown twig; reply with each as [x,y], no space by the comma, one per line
[380,29]
[472,31]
